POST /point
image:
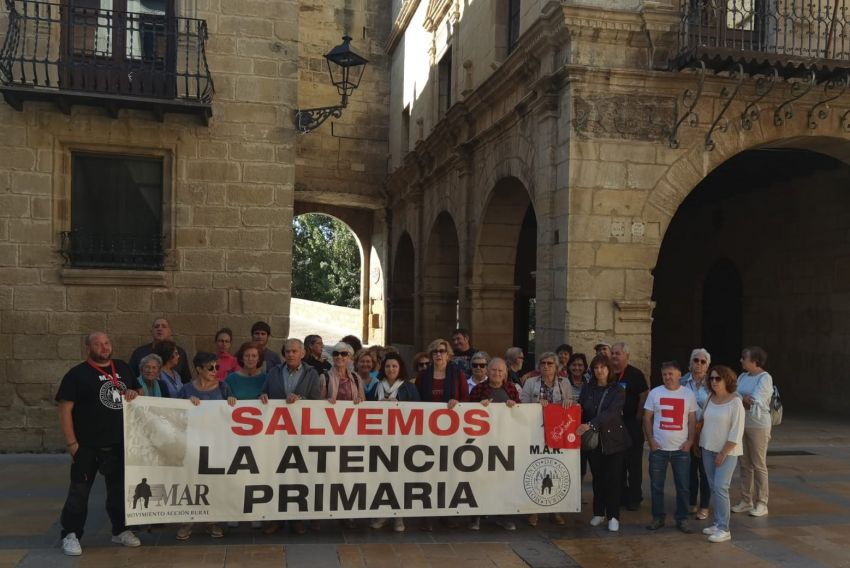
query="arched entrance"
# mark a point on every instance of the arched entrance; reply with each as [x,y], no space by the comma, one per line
[440,280]
[402,329]
[758,254]
[503,288]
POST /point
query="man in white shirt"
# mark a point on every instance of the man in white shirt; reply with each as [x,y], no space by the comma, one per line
[669,422]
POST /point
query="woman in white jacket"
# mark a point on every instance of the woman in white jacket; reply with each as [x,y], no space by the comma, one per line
[755,385]
[720,441]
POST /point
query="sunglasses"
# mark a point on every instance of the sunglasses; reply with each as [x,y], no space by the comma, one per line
[213,367]
[546,363]
[715,378]
[340,353]
[479,365]
[422,364]
[439,352]
[703,361]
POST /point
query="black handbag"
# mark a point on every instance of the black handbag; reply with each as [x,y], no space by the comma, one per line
[590,439]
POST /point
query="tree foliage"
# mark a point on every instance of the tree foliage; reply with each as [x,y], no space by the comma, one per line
[325,261]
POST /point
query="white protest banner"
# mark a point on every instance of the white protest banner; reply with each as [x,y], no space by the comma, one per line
[314,460]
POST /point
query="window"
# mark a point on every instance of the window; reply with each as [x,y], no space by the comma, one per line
[444,82]
[513,24]
[116,212]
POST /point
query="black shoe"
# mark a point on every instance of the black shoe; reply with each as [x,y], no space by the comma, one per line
[633,507]
[655,525]
[684,527]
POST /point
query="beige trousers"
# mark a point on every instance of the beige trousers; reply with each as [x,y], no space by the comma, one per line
[754,486]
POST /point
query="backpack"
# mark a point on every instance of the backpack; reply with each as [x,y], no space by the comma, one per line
[775,407]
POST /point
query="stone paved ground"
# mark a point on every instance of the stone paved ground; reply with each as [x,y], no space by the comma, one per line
[808,526]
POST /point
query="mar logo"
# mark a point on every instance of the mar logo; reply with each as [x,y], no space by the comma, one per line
[145,495]
[546,481]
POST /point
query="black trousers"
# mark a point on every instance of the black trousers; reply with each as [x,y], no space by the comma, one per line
[632,480]
[88,461]
[607,480]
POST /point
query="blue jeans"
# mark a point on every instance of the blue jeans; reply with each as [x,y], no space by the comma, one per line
[681,463]
[719,479]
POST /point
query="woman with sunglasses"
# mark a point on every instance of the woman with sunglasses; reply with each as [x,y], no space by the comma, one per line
[421,361]
[547,388]
[696,380]
[205,387]
[721,442]
[442,381]
[478,366]
[343,383]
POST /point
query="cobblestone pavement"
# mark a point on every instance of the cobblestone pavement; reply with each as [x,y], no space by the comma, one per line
[808,526]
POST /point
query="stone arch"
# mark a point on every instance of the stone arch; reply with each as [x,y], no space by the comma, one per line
[439,276]
[505,260]
[402,292]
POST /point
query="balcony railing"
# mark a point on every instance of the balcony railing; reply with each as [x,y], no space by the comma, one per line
[63,51]
[785,34]
[129,252]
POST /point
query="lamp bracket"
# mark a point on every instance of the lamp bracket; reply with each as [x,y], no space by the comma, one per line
[311,118]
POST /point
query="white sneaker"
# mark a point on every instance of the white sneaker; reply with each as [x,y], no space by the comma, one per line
[759,510]
[377,523]
[71,546]
[596,521]
[742,507]
[613,525]
[710,530]
[475,524]
[127,538]
[720,536]
[506,524]
[398,524]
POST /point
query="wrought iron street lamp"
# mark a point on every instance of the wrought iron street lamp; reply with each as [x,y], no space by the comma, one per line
[346,69]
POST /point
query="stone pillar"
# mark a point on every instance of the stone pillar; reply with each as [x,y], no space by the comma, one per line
[492,317]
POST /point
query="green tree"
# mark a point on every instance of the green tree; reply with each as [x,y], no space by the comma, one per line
[325,261]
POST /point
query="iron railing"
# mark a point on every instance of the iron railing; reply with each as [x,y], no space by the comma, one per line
[801,32]
[64,46]
[133,252]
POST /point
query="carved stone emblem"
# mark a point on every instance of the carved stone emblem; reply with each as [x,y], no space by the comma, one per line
[625,117]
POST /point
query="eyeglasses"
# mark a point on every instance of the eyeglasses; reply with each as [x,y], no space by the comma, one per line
[715,378]
[422,364]
[340,353]
[698,360]
[439,352]
[213,367]
[546,363]
[479,365]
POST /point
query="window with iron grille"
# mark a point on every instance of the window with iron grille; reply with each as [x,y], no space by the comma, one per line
[513,24]
[116,212]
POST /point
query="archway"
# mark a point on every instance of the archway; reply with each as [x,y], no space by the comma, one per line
[402,329]
[757,254]
[440,280]
[503,286]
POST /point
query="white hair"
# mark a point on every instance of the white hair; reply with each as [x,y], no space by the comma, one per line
[703,352]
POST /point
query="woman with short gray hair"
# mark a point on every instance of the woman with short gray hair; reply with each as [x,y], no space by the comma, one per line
[150,367]
[697,380]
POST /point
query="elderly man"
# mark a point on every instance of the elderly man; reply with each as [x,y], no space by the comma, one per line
[514,358]
[91,417]
[634,383]
[669,423]
[261,332]
[463,350]
[161,331]
[315,348]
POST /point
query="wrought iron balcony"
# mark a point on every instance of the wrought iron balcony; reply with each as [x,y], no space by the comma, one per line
[75,52]
[130,252]
[786,35]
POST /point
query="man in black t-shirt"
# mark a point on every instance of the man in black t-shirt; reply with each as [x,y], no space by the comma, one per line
[91,418]
[160,331]
[634,383]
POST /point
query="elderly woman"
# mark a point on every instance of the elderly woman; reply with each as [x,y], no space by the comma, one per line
[497,388]
[755,385]
[442,381]
[696,380]
[514,359]
[247,382]
[720,440]
[602,410]
[421,361]
[170,356]
[227,363]
[152,384]
[478,365]
[205,387]
[547,388]
[365,366]
[343,384]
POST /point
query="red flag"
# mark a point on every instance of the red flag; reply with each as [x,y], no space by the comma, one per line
[559,426]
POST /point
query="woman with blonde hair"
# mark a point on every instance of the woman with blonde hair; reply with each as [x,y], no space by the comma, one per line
[442,381]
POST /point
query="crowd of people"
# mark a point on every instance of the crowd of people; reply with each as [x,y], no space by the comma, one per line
[701,424]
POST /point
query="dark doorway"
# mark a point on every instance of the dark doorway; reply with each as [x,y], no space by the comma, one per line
[524,278]
[401,295]
[722,313]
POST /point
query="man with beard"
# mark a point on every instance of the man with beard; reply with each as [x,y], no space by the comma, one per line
[91,418]
[160,331]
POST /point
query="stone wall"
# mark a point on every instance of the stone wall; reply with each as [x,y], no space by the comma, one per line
[228,186]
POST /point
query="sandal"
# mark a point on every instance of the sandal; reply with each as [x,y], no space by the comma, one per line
[703,514]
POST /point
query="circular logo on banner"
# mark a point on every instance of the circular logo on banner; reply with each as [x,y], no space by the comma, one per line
[110,395]
[546,481]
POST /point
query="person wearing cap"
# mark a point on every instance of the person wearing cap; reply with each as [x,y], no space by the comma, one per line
[260,333]
[669,423]
[633,381]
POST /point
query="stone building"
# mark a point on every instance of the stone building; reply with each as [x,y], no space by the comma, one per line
[668,173]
